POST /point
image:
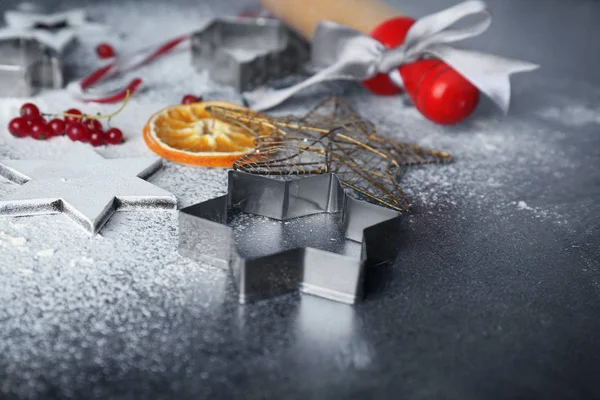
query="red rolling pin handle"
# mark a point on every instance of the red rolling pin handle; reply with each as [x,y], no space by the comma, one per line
[440,93]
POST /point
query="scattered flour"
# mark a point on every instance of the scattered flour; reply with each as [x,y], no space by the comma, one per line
[7,240]
[495,159]
[101,304]
[128,282]
[46,253]
[25,271]
[573,115]
[541,213]
[81,261]
[521,205]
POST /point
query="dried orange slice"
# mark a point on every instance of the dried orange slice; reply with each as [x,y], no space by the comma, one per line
[188,134]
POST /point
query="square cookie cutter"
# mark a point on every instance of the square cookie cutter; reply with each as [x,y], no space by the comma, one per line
[204,235]
[27,65]
[246,53]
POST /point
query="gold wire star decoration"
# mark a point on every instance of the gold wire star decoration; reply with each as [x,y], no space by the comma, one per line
[331,138]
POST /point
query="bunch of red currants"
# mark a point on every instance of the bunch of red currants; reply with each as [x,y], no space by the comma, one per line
[74,124]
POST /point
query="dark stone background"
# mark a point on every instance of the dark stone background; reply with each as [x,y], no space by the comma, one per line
[496,305]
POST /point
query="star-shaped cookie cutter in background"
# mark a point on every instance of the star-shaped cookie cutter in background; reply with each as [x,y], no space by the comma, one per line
[245,52]
[26,65]
[204,235]
[32,46]
[54,30]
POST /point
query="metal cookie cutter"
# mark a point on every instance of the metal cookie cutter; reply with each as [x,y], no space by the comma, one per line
[25,65]
[288,265]
[248,52]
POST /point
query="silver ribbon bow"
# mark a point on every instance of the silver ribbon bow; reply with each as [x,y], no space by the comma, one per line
[340,52]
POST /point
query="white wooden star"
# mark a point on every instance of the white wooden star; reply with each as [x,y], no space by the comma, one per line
[55,31]
[83,185]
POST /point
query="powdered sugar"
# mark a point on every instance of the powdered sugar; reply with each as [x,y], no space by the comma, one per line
[56,280]
[573,115]
[521,205]
[489,153]
[7,240]
[76,309]
[45,253]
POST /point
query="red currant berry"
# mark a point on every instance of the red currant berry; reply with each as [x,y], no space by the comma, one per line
[72,119]
[96,138]
[78,132]
[40,130]
[93,124]
[32,120]
[29,110]
[113,136]
[19,127]
[189,99]
[105,50]
[58,127]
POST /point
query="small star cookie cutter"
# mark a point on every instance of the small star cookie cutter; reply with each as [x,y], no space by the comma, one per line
[33,44]
[26,65]
[204,235]
[246,53]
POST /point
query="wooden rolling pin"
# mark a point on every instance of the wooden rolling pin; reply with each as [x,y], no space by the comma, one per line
[303,15]
[437,91]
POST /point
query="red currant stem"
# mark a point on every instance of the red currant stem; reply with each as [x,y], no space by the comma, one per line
[97,116]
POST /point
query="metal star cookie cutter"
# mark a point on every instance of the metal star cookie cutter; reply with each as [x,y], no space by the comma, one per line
[26,65]
[248,52]
[84,186]
[33,44]
[204,235]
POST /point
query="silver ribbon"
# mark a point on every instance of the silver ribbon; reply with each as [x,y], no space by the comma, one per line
[340,52]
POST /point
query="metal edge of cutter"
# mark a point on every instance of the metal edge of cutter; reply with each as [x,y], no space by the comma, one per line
[275,51]
[205,236]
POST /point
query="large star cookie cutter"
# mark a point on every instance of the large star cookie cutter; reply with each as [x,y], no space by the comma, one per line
[246,53]
[83,185]
[204,235]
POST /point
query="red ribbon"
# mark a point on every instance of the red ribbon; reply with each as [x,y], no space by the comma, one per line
[118,67]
